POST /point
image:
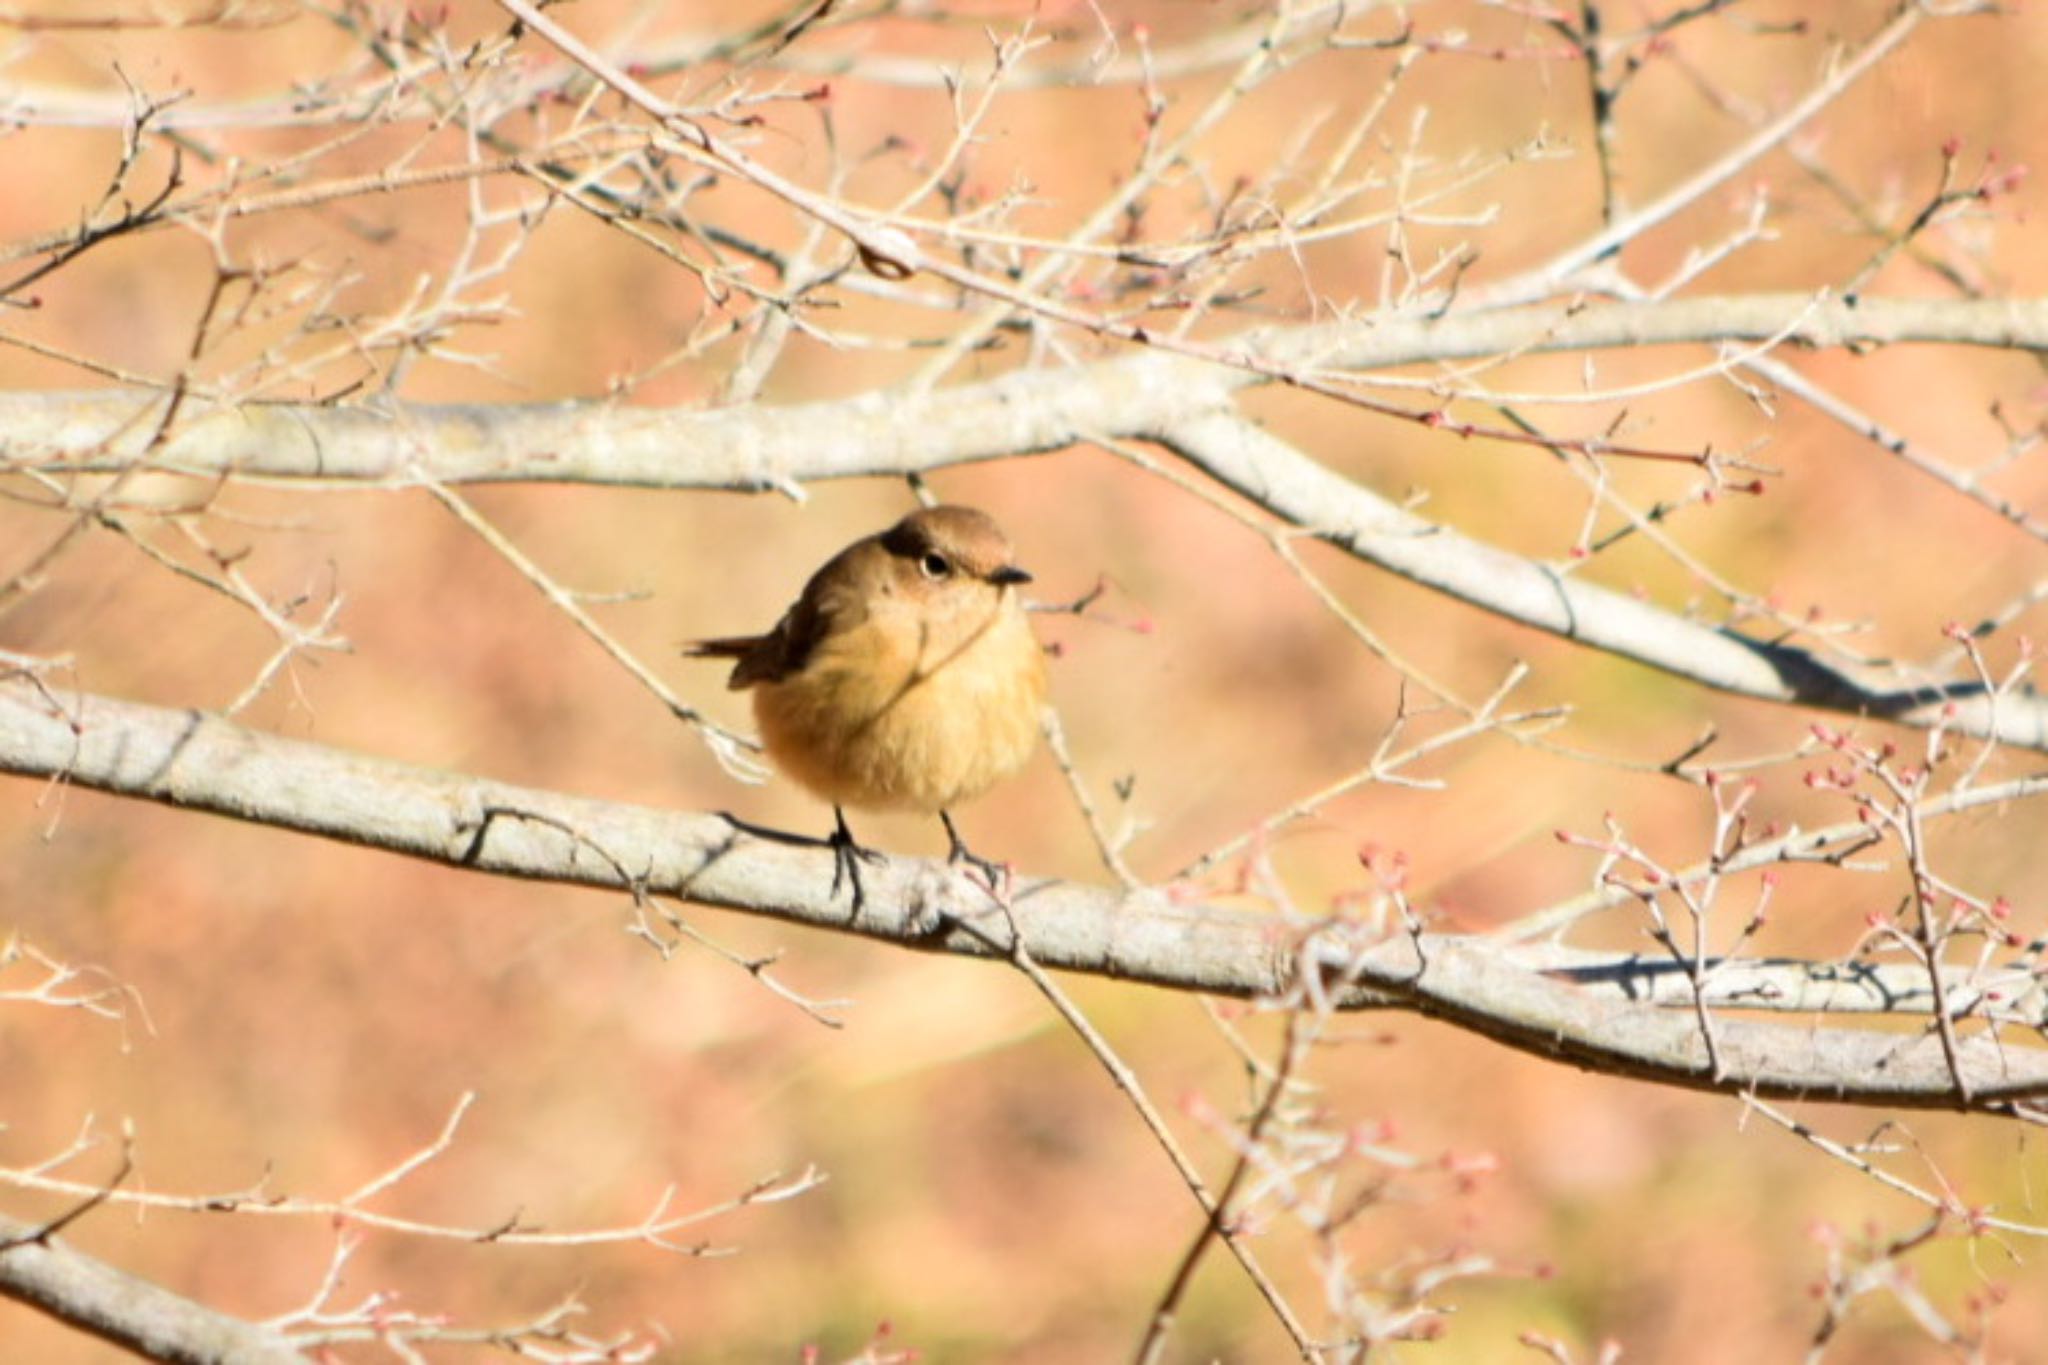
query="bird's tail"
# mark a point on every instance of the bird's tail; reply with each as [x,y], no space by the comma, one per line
[732,647]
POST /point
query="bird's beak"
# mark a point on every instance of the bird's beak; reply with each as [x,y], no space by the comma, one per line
[1007,575]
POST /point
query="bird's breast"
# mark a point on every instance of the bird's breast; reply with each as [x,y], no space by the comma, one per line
[889,716]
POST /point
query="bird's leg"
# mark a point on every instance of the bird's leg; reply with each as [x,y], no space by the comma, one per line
[846,859]
[960,852]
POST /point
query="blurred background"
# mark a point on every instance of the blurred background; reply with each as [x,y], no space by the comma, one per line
[312,1013]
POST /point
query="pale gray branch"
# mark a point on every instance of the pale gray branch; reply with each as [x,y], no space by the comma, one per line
[200,762]
[1289,484]
[763,447]
[132,1313]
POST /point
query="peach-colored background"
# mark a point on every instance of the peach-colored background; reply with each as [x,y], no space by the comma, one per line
[318,1009]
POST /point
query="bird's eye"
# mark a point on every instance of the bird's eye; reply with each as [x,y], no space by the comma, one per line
[934,565]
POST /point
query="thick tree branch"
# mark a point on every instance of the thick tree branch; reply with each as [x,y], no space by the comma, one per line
[763,447]
[192,760]
[132,1313]
[1289,484]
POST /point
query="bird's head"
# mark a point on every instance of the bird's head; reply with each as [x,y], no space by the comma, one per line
[943,556]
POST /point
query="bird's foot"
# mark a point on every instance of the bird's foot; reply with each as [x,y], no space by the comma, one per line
[847,856]
[995,874]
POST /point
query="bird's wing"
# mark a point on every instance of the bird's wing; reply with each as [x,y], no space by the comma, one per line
[822,610]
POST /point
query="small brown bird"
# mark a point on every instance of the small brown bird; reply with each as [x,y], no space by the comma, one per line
[906,677]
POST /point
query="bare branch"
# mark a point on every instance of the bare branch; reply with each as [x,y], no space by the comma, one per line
[194,761]
[764,448]
[132,1313]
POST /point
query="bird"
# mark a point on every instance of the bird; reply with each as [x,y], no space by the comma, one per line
[905,677]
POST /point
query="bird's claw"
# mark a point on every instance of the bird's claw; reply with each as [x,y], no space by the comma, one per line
[847,856]
[994,873]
